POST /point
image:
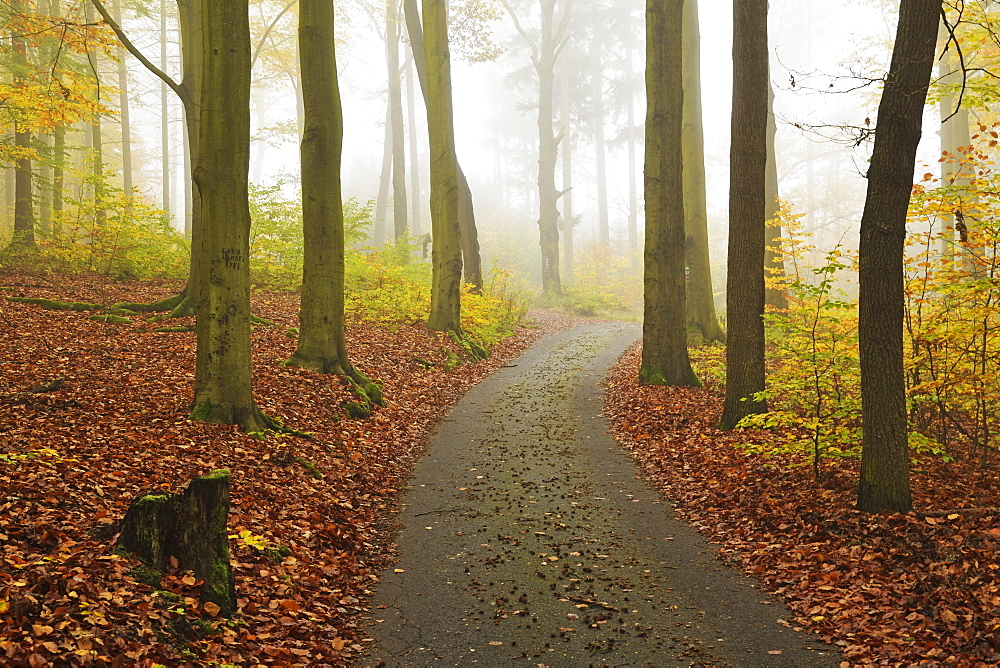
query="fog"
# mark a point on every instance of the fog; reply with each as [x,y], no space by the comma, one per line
[817,52]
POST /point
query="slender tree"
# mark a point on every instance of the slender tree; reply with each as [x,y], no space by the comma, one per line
[774,265]
[445,206]
[392,36]
[545,54]
[664,336]
[748,162]
[885,464]
[472,261]
[223,379]
[124,111]
[701,315]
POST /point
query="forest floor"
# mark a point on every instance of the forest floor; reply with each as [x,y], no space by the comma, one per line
[894,589]
[891,589]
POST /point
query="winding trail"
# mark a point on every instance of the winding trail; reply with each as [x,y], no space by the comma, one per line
[529,539]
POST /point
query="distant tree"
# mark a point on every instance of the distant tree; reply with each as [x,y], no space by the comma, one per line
[748,161]
[545,52]
[446,286]
[885,464]
[664,334]
[774,265]
[24,214]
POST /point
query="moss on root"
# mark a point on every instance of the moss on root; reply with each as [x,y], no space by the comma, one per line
[110,319]
[54,305]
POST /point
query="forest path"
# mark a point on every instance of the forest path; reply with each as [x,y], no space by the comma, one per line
[529,538]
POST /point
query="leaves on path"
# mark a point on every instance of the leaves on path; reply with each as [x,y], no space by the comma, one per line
[899,589]
[305,549]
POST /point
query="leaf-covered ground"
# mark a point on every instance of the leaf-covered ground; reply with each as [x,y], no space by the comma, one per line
[72,459]
[915,589]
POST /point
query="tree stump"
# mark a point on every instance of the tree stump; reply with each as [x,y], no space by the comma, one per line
[191,527]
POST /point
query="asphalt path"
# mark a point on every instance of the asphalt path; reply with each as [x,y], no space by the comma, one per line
[528,537]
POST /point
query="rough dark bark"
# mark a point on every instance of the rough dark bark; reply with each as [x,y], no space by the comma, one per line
[664,332]
[446,254]
[885,465]
[24,213]
[192,528]
[748,161]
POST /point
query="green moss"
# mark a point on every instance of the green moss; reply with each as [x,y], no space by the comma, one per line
[257,320]
[292,332]
[54,305]
[309,466]
[167,599]
[451,360]
[110,319]
[358,409]
[147,575]
[121,311]
[278,554]
[173,330]
[218,474]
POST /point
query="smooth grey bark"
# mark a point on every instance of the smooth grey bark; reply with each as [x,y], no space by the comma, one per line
[774,265]
[164,118]
[748,164]
[124,110]
[568,219]
[701,314]
[416,224]
[395,80]
[885,462]
[664,334]
[384,181]
[96,137]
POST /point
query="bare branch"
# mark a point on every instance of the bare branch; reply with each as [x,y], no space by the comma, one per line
[267,32]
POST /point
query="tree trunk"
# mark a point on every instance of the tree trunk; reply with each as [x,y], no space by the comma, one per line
[466,212]
[748,163]
[600,155]
[399,217]
[569,220]
[223,380]
[322,345]
[885,465]
[192,528]
[701,315]
[774,265]
[165,116]
[664,335]
[124,111]
[96,135]
[385,177]
[24,213]
[446,255]
[416,226]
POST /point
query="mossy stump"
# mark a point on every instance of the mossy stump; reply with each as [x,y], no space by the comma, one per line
[192,527]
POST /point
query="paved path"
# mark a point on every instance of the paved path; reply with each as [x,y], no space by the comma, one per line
[529,539]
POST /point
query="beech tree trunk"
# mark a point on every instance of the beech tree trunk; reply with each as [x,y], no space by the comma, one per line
[748,162]
[773,263]
[446,255]
[223,385]
[885,463]
[123,102]
[24,214]
[701,314]
[191,527]
[399,217]
[664,334]
[472,262]
[322,344]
